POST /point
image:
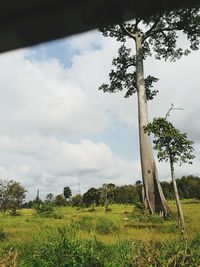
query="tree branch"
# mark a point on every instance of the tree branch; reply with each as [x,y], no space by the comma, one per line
[159,31]
[126,32]
[170,109]
[136,24]
[152,27]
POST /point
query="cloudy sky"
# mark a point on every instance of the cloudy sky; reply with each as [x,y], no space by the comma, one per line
[57,128]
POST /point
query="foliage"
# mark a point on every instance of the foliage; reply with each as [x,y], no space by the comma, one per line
[189,187]
[84,223]
[77,201]
[12,194]
[91,196]
[159,37]
[67,192]
[170,143]
[45,210]
[3,235]
[128,194]
[49,198]
[60,201]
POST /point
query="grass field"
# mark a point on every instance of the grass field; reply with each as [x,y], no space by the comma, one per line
[122,225]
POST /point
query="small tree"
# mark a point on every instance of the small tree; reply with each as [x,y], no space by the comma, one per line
[60,201]
[67,192]
[12,194]
[91,197]
[172,146]
[77,200]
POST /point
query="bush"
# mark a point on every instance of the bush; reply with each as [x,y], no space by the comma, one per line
[106,226]
[3,235]
[57,216]
[85,223]
[45,210]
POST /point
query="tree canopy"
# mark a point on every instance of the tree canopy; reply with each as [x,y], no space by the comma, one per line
[159,38]
[169,142]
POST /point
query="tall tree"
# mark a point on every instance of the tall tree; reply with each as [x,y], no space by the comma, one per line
[67,192]
[153,36]
[172,146]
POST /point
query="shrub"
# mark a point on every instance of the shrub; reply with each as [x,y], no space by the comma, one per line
[106,226]
[3,235]
[57,216]
[85,223]
[46,210]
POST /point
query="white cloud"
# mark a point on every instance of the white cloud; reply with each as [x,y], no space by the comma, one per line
[39,97]
[51,164]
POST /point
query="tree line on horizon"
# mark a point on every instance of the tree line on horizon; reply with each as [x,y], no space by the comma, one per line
[188,187]
[12,195]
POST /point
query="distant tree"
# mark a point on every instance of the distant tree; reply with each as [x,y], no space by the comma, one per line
[49,198]
[27,205]
[189,186]
[127,194]
[12,194]
[37,202]
[155,35]
[172,146]
[3,195]
[67,192]
[91,197]
[77,201]
[106,195]
[138,182]
[60,200]
[168,189]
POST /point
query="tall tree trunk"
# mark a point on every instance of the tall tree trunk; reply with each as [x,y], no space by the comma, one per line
[178,203]
[153,196]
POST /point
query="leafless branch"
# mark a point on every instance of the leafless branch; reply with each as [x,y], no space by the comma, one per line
[170,109]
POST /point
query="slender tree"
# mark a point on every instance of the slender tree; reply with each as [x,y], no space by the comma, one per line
[153,36]
[172,146]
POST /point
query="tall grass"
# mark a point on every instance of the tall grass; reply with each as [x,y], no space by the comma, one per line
[122,237]
[64,249]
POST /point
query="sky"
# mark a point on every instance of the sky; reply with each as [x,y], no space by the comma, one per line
[57,128]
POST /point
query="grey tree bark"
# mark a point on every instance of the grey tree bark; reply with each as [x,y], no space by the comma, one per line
[181,221]
[153,196]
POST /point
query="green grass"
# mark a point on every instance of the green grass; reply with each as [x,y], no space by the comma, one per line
[122,225]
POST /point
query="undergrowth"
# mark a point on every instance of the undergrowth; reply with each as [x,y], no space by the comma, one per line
[65,249]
